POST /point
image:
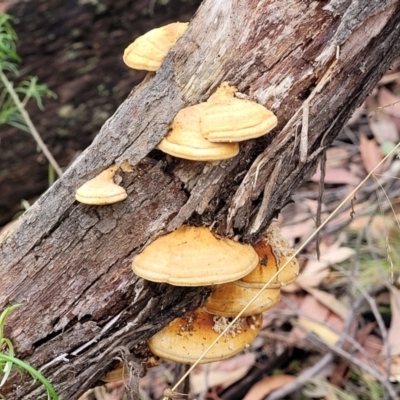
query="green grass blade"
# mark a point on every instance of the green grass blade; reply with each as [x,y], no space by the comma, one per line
[33,372]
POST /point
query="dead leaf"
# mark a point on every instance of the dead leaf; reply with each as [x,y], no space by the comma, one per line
[344,217]
[321,330]
[336,255]
[389,78]
[373,347]
[312,308]
[378,225]
[329,301]
[267,385]
[313,273]
[394,337]
[371,154]
[389,102]
[395,369]
[337,157]
[222,373]
[299,230]
[380,123]
[336,176]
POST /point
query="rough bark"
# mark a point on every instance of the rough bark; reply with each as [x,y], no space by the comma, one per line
[69,264]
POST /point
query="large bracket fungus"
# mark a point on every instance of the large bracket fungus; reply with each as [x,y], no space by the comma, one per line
[229,119]
[193,256]
[185,339]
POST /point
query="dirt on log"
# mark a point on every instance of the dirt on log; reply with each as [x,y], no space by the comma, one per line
[75,47]
[69,264]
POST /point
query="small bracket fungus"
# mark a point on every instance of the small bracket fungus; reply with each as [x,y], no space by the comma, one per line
[185,140]
[101,190]
[229,119]
[120,372]
[185,339]
[192,256]
[229,299]
[273,251]
[148,51]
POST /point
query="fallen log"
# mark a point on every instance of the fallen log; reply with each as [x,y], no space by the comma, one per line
[311,62]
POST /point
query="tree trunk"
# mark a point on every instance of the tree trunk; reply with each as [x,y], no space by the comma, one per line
[69,264]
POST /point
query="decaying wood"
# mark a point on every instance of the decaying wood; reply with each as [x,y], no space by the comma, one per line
[69,264]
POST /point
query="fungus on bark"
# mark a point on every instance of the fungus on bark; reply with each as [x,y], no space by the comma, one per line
[229,119]
[193,256]
[148,51]
[185,339]
[229,299]
[101,190]
[274,251]
[185,140]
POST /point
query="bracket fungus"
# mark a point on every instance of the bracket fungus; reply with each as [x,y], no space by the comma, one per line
[193,256]
[148,51]
[229,299]
[101,190]
[120,372]
[184,140]
[185,339]
[229,119]
[274,251]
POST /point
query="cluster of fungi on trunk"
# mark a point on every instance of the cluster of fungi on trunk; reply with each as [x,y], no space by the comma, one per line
[194,256]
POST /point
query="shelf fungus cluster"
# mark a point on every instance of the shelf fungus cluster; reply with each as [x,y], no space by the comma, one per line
[211,131]
[194,256]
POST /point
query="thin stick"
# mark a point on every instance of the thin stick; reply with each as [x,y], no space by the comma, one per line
[303,147]
[288,261]
[8,85]
[322,168]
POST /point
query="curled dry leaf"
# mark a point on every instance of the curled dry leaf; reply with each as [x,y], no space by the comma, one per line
[337,157]
[378,226]
[267,385]
[329,301]
[320,329]
[310,307]
[336,176]
[389,102]
[380,123]
[315,271]
[394,337]
[221,373]
[371,154]
[395,369]
[300,230]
